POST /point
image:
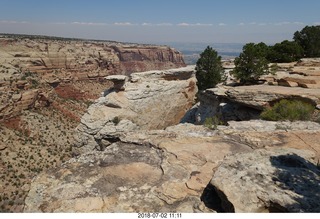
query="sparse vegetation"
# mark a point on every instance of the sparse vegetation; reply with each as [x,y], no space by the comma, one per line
[209,69]
[252,63]
[116,120]
[291,110]
[213,122]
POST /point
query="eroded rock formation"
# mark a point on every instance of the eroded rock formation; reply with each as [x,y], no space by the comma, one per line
[245,102]
[149,100]
[70,69]
[157,171]
[83,59]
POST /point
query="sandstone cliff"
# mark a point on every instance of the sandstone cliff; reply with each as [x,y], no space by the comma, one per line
[71,69]
[130,161]
[83,59]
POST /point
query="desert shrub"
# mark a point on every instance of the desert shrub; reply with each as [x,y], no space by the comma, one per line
[116,120]
[213,122]
[291,110]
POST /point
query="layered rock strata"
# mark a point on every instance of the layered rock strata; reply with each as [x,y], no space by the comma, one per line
[69,69]
[82,59]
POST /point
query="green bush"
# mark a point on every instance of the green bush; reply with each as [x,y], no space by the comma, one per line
[116,120]
[291,110]
[213,122]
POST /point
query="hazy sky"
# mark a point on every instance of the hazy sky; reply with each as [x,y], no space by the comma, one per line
[152,21]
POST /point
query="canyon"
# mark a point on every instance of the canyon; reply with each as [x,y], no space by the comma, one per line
[184,167]
[46,86]
[91,126]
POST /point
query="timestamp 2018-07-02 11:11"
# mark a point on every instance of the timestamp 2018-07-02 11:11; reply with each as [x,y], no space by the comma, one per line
[160,215]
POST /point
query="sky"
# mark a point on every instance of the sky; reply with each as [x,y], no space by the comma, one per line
[155,21]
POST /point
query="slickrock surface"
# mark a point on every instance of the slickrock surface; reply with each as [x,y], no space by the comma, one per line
[169,170]
[147,171]
[281,180]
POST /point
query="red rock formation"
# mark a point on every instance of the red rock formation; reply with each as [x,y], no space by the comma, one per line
[56,66]
[86,59]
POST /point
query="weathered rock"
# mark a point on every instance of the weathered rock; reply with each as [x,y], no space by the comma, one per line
[266,134]
[309,62]
[118,81]
[215,103]
[163,170]
[153,171]
[283,180]
[287,83]
[261,96]
[151,100]
[83,58]
[18,102]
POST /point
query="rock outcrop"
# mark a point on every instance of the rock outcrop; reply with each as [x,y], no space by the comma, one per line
[149,100]
[170,171]
[245,102]
[145,171]
[281,180]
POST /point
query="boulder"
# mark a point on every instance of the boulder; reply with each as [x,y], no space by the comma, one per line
[118,81]
[282,180]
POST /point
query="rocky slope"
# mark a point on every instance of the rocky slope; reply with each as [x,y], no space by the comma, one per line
[46,85]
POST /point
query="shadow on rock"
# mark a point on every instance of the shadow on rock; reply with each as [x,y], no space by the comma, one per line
[211,199]
[300,176]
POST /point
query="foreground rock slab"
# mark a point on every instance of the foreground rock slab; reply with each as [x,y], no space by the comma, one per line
[281,180]
[147,171]
[170,171]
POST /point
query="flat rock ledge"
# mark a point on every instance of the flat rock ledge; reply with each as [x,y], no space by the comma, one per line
[280,180]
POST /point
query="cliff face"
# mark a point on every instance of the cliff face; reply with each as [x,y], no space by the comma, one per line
[85,59]
[70,69]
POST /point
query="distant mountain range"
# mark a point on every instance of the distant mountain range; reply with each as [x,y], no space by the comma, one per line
[191,51]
